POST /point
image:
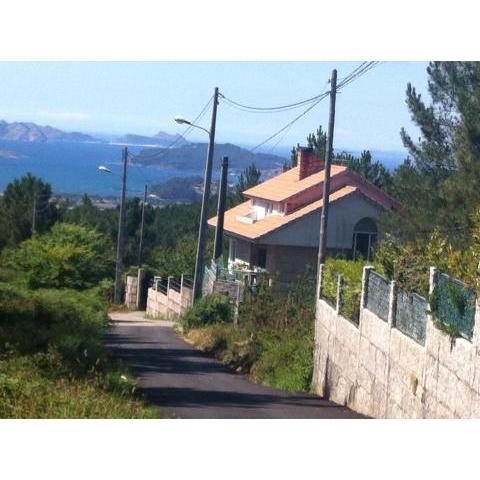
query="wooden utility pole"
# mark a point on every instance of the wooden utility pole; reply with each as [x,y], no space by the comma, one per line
[222,196]
[328,162]
[120,240]
[34,214]
[202,233]
[140,245]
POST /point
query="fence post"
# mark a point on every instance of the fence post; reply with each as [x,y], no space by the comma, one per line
[140,280]
[366,275]
[432,282]
[181,283]
[392,304]
[339,292]
[320,281]
[476,326]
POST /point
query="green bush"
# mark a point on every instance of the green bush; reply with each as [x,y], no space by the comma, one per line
[214,308]
[70,256]
[351,272]
[286,360]
[53,363]
[274,338]
[68,321]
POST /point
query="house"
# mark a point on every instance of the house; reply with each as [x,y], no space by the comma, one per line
[277,227]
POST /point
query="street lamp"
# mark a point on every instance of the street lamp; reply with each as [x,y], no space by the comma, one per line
[184,121]
[202,232]
[117,299]
[102,168]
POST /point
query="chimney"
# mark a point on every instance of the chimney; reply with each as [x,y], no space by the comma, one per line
[308,162]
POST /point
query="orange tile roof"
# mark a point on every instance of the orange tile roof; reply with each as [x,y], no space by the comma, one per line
[273,222]
[286,185]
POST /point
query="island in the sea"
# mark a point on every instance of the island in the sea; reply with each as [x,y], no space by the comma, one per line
[31,132]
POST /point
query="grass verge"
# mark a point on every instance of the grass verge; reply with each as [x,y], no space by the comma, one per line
[53,363]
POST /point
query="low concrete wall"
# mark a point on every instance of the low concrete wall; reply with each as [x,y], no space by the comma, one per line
[169,302]
[377,370]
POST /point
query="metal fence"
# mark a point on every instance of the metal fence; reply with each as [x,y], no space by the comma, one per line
[453,304]
[378,295]
[411,315]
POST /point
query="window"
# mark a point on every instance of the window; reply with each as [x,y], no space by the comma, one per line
[364,236]
[261,257]
[233,250]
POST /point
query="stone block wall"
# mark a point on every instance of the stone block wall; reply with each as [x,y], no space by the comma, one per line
[169,302]
[377,370]
[131,289]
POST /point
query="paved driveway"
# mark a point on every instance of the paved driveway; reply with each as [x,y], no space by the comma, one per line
[188,383]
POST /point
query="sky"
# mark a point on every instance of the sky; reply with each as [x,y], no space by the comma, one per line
[143,98]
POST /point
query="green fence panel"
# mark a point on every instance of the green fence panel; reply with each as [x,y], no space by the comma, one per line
[411,315]
[378,295]
[454,305]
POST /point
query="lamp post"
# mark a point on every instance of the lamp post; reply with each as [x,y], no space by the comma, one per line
[117,298]
[202,232]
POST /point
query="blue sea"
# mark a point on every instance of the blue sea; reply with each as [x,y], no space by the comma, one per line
[72,167]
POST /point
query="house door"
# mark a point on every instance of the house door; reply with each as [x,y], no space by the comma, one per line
[364,236]
[262,257]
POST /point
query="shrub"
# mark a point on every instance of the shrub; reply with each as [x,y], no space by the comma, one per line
[286,359]
[214,308]
[66,321]
[70,256]
[351,272]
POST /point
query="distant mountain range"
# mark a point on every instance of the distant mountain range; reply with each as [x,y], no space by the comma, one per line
[161,139]
[162,149]
[192,156]
[31,132]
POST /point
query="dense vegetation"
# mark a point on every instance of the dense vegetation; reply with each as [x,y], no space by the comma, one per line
[53,316]
[273,339]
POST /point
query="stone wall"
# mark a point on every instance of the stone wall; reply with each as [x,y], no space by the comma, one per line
[377,370]
[133,292]
[131,289]
[171,301]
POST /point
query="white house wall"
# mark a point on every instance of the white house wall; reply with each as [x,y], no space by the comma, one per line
[342,217]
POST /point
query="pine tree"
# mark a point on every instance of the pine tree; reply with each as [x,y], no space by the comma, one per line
[318,141]
[248,179]
[446,158]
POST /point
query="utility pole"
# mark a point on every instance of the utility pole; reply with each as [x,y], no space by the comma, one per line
[34,215]
[202,233]
[141,229]
[328,161]
[120,241]
[222,196]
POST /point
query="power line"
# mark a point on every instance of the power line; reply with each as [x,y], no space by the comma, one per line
[165,150]
[359,71]
[281,108]
[289,124]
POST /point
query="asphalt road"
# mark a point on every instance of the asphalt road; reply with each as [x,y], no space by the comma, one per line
[188,383]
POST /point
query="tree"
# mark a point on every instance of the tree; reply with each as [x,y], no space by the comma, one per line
[176,260]
[318,141]
[373,171]
[17,209]
[70,256]
[248,179]
[446,158]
